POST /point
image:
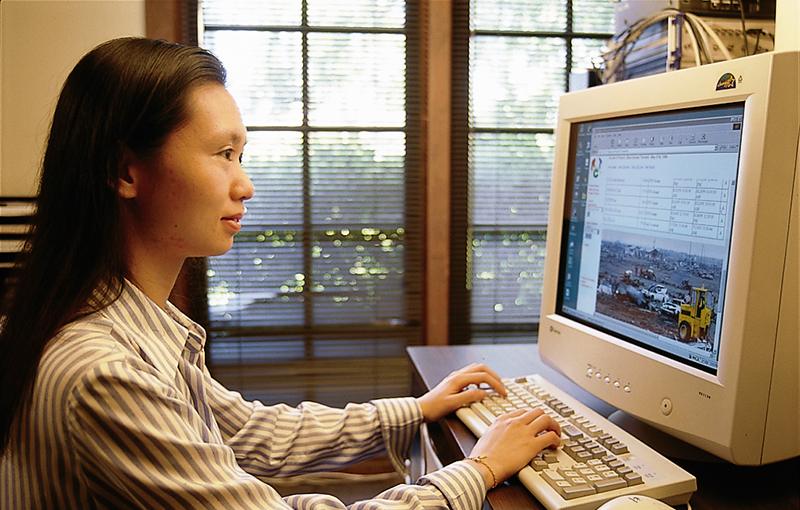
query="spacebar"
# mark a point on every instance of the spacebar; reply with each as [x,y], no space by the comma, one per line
[474,421]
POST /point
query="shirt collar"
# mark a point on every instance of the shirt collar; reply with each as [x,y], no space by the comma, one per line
[162,335]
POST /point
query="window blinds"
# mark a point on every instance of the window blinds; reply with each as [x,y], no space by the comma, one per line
[512,60]
[320,294]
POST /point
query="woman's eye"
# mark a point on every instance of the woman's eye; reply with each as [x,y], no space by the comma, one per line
[241,156]
[228,154]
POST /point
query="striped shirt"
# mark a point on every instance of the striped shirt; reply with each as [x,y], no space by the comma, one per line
[125,414]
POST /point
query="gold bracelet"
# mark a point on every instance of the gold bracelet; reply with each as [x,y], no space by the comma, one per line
[481,459]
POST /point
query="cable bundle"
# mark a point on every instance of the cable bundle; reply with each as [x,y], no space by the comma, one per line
[639,38]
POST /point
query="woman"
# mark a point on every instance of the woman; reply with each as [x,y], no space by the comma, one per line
[106,400]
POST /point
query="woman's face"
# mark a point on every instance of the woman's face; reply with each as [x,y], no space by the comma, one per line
[190,199]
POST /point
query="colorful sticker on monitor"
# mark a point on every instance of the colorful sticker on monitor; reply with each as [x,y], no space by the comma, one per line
[726,81]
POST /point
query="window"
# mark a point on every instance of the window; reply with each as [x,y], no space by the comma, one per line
[320,294]
[514,62]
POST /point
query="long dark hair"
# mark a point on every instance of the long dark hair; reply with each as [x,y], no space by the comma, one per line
[127,93]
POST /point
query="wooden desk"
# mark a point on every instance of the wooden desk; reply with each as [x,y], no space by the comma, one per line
[720,485]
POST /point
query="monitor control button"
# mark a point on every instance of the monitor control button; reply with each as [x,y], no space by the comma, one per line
[666,406]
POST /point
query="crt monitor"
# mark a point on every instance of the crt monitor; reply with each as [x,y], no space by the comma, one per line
[671,273]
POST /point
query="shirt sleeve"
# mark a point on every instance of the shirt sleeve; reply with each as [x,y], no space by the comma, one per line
[280,440]
[459,486]
[140,444]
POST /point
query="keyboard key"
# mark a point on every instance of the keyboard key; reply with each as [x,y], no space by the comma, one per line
[483,413]
[594,431]
[623,471]
[572,432]
[615,464]
[594,479]
[633,479]
[552,477]
[619,449]
[538,464]
[549,455]
[610,484]
[576,491]
[605,437]
[578,453]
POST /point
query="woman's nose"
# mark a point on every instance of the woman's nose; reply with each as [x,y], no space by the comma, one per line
[243,188]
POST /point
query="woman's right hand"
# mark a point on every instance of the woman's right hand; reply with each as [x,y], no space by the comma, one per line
[512,441]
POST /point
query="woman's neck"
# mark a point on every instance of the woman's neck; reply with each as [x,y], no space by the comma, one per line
[155,278]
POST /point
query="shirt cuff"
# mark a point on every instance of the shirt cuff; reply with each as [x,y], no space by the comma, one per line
[400,419]
[461,483]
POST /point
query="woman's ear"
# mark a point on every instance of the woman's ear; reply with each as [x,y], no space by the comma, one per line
[129,175]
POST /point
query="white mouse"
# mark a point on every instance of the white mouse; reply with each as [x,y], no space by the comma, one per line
[634,502]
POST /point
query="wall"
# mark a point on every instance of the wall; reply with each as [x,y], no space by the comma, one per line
[40,42]
[787,25]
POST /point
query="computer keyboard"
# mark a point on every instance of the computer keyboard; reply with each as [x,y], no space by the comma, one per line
[596,461]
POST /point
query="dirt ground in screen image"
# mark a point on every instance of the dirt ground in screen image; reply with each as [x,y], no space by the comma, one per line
[629,272]
[645,318]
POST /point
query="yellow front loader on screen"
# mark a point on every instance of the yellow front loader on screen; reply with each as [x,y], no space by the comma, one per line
[695,317]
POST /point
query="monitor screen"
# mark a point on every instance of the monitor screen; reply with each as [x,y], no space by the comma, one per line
[648,210]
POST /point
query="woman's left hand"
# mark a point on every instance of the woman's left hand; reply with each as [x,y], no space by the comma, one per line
[458,389]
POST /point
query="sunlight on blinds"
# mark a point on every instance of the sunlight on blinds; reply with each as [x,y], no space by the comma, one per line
[520,55]
[319,295]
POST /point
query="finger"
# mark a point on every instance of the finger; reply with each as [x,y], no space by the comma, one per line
[549,439]
[497,383]
[544,424]
[534,414]
[544,441]
[511,415]
[463,380]
[469,395]
[526,416]
[480,367]
[476,368]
